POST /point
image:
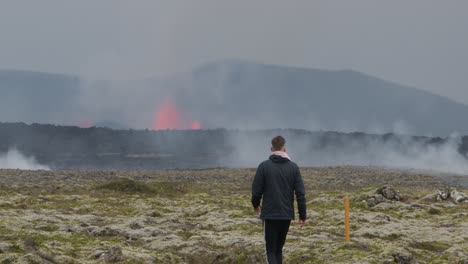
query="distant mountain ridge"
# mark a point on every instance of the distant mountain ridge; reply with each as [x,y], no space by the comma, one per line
[236,94]
[273,96]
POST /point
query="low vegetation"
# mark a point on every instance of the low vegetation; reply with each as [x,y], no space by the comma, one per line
[205,216]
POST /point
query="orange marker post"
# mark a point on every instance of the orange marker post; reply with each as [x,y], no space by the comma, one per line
[346,220]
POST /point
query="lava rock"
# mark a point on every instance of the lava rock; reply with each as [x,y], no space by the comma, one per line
[446,194]
[389,193]
[374,200]
[404,259]
[381,195]
[443,194]
[457,196]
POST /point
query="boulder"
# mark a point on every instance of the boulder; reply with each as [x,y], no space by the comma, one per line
[446,194]
[382,194]
[443,194]
[457,196]
[374,200]
[389,193]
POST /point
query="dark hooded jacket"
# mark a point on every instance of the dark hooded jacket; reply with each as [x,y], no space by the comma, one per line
[276,181]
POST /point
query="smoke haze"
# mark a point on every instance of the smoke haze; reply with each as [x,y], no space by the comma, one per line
[421,43]
[14,159]
[334,149]
[394,67]
[233,94]
[65,148]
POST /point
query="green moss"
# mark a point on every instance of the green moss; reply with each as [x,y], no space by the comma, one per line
[308,256]
[76,240]
[49,228]
[360,205]
[249,229]
[7,206]
[165,189]
[434,211]
[221,255]
[185,234]
[111,207]
[366,189]
[175,199]
[334,205]
[370,236]
[352,251]
[135,261]
[433,246]
[126,186]
[392,237]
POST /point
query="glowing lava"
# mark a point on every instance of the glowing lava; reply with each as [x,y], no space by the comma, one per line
[169,116]
[85,124]
[195,125]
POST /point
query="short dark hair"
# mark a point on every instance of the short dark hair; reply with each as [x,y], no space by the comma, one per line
[278,142]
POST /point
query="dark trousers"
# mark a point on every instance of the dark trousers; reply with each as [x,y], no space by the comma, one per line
[275,232]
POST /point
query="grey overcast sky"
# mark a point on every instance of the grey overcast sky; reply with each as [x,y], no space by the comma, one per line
[421,43]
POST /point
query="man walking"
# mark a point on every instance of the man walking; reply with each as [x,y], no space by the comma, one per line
[276,181]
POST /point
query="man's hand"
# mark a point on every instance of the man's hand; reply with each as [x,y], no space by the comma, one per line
[257,210]
[302,222]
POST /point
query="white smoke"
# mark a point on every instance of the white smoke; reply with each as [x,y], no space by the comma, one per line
[440,158]
[14,159]
[313,150]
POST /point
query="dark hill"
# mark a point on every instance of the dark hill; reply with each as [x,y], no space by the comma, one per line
[266,96]
[235,94]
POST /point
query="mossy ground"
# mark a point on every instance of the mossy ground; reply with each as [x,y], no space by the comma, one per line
[205,216]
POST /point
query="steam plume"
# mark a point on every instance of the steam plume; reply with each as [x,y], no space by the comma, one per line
[14,159]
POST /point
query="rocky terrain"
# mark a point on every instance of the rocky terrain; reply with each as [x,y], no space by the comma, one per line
[205,216]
